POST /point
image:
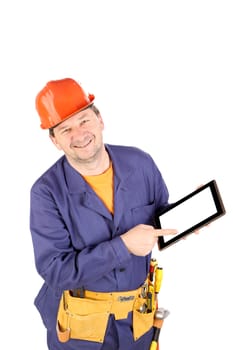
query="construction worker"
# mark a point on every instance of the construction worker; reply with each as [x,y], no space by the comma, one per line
[91,222]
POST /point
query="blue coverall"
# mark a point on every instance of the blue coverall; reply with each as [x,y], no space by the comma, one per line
[76,239]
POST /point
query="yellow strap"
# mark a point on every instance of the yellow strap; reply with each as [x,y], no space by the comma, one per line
[113,296]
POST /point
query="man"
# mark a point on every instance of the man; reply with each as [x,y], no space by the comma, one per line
[91,221]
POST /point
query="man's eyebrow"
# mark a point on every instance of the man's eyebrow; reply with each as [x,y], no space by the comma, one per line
[79,118]
[82,116]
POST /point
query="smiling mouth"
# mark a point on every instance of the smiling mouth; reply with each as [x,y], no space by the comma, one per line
[83,145]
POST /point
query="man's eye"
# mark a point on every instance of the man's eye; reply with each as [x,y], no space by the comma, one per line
[84,121]
[65,131]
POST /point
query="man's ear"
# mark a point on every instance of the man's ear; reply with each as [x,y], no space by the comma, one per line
[54,141]
[101,120]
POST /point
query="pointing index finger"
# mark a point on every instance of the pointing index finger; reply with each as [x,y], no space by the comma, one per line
[164,232]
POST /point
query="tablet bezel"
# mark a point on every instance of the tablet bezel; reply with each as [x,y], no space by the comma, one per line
[220,211]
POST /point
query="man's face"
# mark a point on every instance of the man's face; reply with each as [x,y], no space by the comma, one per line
[80,137]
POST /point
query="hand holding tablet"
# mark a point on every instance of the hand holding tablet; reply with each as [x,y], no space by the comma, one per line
[199,208]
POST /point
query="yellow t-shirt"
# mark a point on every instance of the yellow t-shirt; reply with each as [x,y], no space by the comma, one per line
[103,186]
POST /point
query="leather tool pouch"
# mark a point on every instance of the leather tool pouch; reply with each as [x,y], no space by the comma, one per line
[81,318]
[87,318]
[142,321]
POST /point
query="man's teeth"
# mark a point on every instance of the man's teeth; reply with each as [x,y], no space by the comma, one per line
[83,146]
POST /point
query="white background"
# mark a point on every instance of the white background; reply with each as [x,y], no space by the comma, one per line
[162,74]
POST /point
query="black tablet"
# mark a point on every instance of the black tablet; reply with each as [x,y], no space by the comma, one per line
[190,213]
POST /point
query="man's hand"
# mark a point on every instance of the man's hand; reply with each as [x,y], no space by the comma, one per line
[141,239]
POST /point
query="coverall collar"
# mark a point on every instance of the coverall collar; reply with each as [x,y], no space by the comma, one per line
[122,173]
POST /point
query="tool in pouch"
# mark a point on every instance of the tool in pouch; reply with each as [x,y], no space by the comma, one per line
[155,279]
[83,314]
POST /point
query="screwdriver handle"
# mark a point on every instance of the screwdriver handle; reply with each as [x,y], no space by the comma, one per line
[153,345]
[158,279]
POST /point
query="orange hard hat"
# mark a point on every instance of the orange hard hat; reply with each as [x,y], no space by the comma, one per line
[59,100]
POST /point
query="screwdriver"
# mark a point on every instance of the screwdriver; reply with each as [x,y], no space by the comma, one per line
[153,266]
[158,279]
[151,285]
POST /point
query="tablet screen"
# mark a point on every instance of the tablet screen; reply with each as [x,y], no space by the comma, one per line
[191,212]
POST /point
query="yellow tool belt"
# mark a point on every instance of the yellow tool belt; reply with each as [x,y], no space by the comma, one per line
[86,318]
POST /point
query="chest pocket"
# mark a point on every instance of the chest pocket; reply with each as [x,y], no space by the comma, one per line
[143,214]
